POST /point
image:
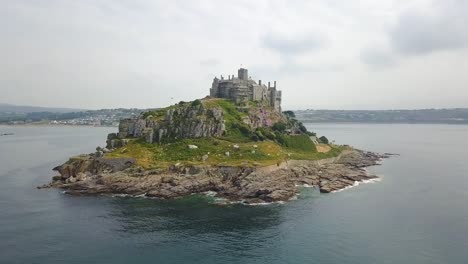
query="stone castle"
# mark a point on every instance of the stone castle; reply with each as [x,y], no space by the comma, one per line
[242,88]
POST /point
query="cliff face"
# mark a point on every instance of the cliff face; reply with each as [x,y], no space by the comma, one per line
[175,123]
[263,117]
[209,118]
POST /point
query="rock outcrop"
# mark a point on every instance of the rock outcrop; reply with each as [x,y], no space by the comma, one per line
[185,121]
[92,175]
[188,121]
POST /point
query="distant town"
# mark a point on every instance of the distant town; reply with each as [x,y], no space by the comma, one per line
[103,117]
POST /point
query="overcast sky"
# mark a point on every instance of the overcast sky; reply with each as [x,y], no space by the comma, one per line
[333,54]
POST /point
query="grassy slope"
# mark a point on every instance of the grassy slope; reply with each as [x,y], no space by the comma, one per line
[249,153]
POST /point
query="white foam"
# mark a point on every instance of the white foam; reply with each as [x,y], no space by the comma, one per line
[120,195]
[356,183]
[210,193]
[305,185]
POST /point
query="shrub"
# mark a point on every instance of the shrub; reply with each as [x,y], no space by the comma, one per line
[196,102]
[270,135]
[302,128]
[289,114]
[244,130]
[259,135]
[182,102]
[280,127]
[323,139]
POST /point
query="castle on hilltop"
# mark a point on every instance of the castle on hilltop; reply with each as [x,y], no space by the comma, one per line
[242,88]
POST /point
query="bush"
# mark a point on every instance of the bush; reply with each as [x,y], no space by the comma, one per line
[302,128]
[182,102]
[289,114]
[259,135]
[280,127]
[270,135]
[196,102]
[323,139]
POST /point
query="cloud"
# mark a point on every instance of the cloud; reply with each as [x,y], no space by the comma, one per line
[417,33]
[293,44]
[377,58]
[209,62]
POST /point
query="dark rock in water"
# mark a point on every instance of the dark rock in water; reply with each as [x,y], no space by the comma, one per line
[90,164]
[94,175]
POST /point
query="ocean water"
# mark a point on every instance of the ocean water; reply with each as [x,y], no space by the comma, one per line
[417,213]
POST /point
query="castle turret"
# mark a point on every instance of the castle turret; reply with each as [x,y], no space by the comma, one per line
[243,74]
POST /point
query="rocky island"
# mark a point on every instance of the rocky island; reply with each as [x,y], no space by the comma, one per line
[236,143]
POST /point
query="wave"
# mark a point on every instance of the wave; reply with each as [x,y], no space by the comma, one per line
[356,183]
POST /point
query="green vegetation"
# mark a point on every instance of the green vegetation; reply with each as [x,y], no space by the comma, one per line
[289,114]
[196,102]
[279,127]
[155,114]
[240,145]
[323,139]
[215,151]
[296,142]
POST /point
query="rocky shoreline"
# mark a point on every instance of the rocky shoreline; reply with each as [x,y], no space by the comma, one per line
[91,174]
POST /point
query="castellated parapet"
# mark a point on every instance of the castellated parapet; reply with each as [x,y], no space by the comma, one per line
[243,88]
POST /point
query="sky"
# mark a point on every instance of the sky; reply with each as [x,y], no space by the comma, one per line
[330,54]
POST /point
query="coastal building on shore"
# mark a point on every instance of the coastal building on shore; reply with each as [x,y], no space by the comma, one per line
[242,88]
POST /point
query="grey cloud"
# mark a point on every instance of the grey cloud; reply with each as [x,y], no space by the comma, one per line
[416,34]
[293,45]
[377,58]
[209,62]
[290,68]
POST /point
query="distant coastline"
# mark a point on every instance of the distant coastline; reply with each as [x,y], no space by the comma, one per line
[111,117]
[422,116]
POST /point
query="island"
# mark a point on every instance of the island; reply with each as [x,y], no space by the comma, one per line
[235,143]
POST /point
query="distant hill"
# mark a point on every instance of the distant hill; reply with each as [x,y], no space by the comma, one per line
[31,109]
[421,116]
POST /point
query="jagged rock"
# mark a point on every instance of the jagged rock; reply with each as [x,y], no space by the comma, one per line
[187,121]
[91,175]
[71,180]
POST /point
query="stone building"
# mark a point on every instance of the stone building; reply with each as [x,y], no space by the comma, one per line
[242,88]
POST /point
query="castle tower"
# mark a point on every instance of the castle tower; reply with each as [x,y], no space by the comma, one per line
[243,74]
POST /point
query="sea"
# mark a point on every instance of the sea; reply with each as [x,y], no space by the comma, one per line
[416,213]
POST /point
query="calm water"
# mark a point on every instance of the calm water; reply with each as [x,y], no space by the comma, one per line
[418,213]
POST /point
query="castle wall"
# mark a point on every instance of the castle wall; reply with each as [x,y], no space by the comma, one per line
[257,92]
[242,88]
